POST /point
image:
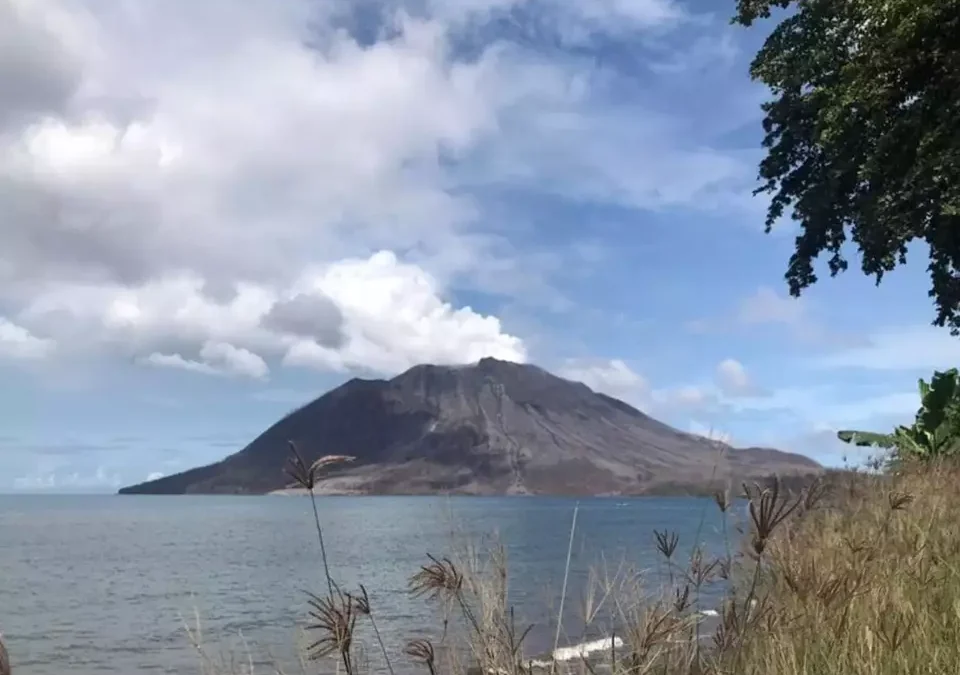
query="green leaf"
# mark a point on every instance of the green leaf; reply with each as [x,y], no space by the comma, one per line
[941,393]
[906,442]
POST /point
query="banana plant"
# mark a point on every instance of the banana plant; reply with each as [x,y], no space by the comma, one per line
[936,429]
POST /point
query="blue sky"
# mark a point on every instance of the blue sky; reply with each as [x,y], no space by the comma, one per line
[214,212]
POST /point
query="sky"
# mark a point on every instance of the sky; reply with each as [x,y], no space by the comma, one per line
[214,212]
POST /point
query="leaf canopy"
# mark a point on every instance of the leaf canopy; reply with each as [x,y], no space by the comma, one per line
[863,135]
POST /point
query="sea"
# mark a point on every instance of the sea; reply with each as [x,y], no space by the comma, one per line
[131,584]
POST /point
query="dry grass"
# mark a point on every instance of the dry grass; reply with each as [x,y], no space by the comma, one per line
[869,583]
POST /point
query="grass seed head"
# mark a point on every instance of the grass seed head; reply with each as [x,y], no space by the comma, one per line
[334,619]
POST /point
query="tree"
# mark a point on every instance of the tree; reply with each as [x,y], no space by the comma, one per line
[863,134]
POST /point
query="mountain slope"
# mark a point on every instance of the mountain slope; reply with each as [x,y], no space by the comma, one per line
[490,428]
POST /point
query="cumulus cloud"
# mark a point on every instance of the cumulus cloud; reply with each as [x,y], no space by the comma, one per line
[389,315]
[171,202]
[204,186]
[395,317]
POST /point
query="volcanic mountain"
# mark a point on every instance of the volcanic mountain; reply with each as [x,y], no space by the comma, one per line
[490,428]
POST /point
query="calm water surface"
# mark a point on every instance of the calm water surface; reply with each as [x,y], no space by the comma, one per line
[103,584]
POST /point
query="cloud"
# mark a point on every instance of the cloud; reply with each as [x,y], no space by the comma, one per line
[155,475]
[734,382]
[161,200]
[38,70]
[226,189]
[612,377]
[16,342]
[763,307]
[395,317]
[691,396]
[216,358]
[176,361]
[312,316]
[901,348]
[391,316]
[731,383]
[206,158]
[766,307]
[67,481]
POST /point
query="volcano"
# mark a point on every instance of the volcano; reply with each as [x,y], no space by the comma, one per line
[491,428]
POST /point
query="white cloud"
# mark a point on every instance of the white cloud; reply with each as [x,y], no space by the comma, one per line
[161,200]
[187,184]
[733,380]
[67,481]
[176,361]
[685,396]
[764,306]
[389,315]
[832,406]
[394,317]
[216,358]
[227,157]
[767,306]
[612,377]
[234,359]
[16,342]
[155,475]
[903,348]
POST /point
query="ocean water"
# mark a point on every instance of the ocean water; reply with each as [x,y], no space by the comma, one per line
[105,584]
